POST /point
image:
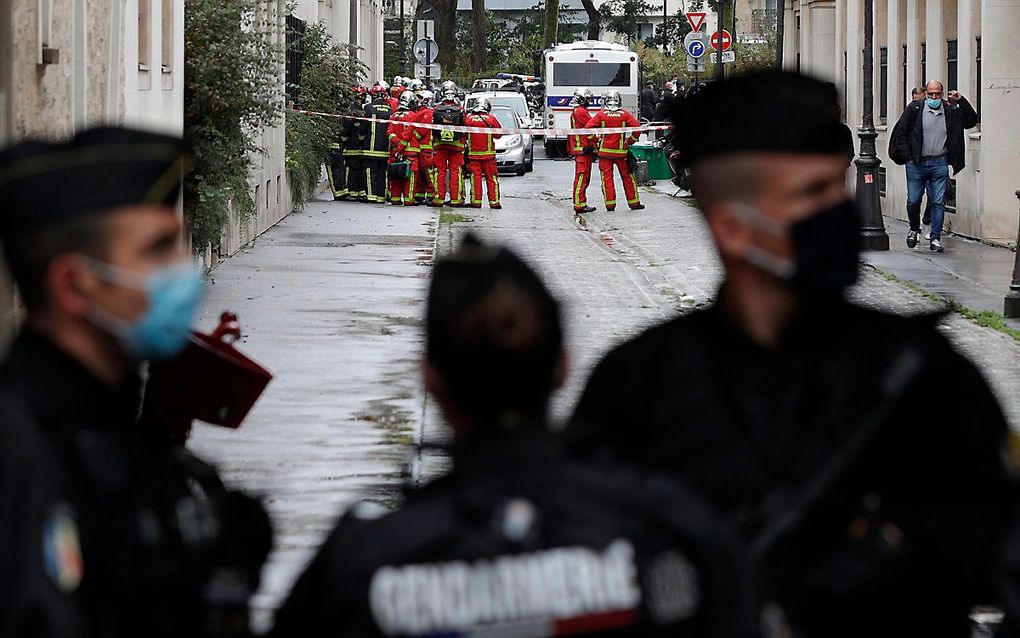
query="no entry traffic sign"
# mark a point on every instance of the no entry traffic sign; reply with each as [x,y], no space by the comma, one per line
[725,40]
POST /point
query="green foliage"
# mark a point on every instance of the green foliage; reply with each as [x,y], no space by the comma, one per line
[328,73]
[622,16]
[231,92]
[676,28]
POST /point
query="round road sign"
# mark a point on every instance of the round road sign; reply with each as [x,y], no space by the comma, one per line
[425,51]
[696,49]
[725,40]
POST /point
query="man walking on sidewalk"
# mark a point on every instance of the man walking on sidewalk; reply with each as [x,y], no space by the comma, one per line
[613,149]
[482,154]
[930,135]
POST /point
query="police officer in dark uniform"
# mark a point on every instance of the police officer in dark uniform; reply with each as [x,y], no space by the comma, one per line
[517,540]
[105,528]
[857,451]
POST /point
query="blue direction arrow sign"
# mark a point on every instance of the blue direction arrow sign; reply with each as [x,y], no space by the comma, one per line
[695,44]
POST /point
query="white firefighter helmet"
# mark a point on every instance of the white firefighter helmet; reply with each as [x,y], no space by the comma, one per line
[408,101]
[582,96]
[416,85]
[611,101]
[449,90]
[428,98]
[482,105]
[385,85]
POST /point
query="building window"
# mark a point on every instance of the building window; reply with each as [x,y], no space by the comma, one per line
[903,79]
[883,83]
[267,194]
[881,181]
[950,201]
[977,60]
[144,37]
[951,56]
[845,86]
[167,36]
[924,64]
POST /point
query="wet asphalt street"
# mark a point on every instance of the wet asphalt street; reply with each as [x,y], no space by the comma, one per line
[331,300]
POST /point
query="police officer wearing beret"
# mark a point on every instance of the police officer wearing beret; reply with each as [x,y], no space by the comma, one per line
[105,528]
[875,508]
[516,540]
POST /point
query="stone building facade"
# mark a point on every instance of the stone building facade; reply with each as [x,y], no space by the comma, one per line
[967,44]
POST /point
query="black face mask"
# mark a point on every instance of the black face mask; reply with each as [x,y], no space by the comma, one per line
[826,249]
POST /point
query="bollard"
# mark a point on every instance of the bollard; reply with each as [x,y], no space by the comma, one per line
[1011,304]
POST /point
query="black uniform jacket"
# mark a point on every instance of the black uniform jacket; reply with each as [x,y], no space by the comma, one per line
[105,531]
[373,134]
[907,139]
[903,541]
[517,539]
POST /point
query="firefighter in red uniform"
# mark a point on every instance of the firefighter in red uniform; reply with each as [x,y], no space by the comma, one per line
[449,147]
[425,189]
[404,146]
[582,149]
[613,149]
[482,154]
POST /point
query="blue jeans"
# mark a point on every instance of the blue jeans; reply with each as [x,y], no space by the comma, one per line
[930,176]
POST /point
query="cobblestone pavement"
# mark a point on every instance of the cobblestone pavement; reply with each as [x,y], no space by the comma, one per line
[634,268]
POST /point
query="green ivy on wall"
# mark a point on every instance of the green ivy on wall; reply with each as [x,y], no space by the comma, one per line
[232,91]
[329,71]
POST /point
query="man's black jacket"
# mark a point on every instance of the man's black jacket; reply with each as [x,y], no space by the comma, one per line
[648,102]
[750,428]
[907,138]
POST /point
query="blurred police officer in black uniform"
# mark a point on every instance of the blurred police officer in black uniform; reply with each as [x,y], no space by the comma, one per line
[516,540]
[875,501]
[105,528]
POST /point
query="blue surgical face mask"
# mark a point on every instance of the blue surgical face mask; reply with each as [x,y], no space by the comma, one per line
[172,296]
[934,104]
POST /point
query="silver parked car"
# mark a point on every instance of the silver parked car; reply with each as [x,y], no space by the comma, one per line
[514,153]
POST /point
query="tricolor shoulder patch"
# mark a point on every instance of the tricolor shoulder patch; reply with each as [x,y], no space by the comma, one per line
[61,549]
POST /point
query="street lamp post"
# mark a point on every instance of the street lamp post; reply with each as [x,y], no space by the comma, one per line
[1011,305]
[873,235]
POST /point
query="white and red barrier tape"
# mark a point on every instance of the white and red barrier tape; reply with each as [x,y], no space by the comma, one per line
[551,132]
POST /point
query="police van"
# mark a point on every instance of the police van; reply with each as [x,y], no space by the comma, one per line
[599,66]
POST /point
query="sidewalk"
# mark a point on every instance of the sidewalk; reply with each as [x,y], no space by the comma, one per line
[330,301]
[970,273]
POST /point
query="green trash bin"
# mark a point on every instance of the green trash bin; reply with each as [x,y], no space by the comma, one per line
[658,165]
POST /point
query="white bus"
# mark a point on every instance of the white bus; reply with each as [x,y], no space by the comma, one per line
[591,64]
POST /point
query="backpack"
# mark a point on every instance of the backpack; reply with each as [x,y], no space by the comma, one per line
[447,115]
[900,154]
